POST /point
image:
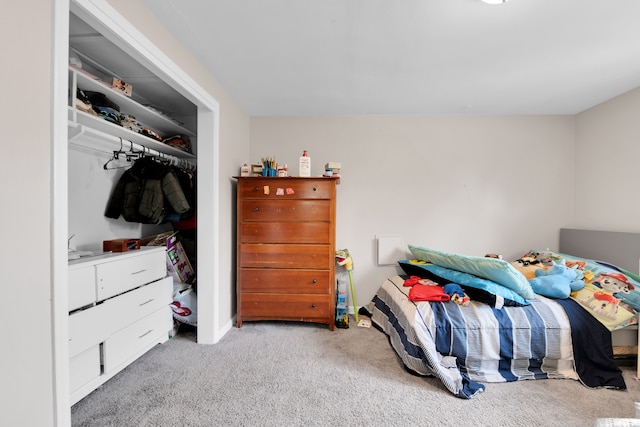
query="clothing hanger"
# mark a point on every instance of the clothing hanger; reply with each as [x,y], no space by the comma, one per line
[115,156]
[133,154]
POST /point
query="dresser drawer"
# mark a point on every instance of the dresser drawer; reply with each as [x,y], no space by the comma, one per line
[93,325]
[285,281]
[286,256]
[285,210]
[286,307]
[82,286]
[122,274]
[88,328]
[84,367]
[133,340]
[321,188]
[285,232]
[132,306]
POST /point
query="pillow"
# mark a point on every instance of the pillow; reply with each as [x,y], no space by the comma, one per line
[494,269]
[477,289]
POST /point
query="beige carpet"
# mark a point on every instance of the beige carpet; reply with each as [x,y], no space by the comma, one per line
[295,374]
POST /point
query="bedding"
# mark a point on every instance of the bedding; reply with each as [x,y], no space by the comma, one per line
[494,269]
[466,346]
[610,293]
[477,288]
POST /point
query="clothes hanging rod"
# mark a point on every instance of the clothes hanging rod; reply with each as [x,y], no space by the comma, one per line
[108,143]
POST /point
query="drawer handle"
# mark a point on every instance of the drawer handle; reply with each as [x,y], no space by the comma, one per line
[146,302]
[313,306]
[314,281]
[256,188]
[315,188]
[146,333]
[256,209]
[139,271]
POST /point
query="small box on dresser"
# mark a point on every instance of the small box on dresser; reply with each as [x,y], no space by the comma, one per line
[286,249]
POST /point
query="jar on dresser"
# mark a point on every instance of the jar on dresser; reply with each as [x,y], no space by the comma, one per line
[286,249]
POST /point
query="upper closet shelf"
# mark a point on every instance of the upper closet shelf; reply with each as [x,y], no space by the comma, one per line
[92,138]
[81,123]
[163,125]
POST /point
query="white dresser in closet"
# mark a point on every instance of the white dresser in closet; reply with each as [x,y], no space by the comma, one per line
[118,310]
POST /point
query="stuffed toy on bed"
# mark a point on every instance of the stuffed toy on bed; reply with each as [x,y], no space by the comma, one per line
[456,293]
[558,281]
[528,266]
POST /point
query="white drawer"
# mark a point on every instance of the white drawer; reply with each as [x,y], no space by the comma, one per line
[84,367]
[88,328]
[132,306]
[122,274]
[132,341]
[82,286]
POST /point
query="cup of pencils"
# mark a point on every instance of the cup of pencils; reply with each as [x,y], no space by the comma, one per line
[269,167]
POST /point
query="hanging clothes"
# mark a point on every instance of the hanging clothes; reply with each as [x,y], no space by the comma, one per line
[146,192]
[187,181]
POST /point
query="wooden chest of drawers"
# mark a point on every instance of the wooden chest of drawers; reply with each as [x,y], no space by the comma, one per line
[286,249]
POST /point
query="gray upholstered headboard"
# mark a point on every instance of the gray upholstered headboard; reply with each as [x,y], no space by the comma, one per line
[619,248]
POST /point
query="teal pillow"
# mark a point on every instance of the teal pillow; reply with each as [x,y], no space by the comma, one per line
[493,269]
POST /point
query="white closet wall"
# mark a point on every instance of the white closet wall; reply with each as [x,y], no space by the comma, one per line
[90,186]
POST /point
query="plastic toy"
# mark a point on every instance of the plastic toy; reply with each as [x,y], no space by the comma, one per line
[457,294]
[344,260]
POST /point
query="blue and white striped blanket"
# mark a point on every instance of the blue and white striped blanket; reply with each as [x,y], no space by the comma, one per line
[464,346]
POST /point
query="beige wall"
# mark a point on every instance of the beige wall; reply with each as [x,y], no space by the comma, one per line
[607,149]
[465,184]
[26,355]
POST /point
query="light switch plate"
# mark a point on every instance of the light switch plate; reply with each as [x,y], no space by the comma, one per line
[389,250]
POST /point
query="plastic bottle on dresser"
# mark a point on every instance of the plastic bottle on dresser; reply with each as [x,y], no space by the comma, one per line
[305,164]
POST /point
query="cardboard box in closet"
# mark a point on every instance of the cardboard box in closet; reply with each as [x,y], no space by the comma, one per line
[178,265]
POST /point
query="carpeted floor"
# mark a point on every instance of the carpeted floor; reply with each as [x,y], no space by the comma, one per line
[295,374]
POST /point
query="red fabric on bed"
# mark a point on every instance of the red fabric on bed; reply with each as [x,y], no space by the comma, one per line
[416,280]
[428,293]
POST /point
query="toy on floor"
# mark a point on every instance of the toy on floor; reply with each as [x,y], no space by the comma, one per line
[343,258]
[342,309]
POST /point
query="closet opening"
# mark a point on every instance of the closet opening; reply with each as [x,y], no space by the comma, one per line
[164,100]
[144,135]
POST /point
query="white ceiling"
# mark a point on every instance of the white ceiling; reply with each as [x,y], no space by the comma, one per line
[344,57]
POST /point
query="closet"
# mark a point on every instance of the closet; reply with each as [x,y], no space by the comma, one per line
[163,103]
[100,151]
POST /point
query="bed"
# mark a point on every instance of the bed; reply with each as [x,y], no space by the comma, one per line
[519,324]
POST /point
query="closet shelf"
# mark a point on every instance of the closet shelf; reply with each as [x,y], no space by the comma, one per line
[81,121]
[89,137]
[163,125]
